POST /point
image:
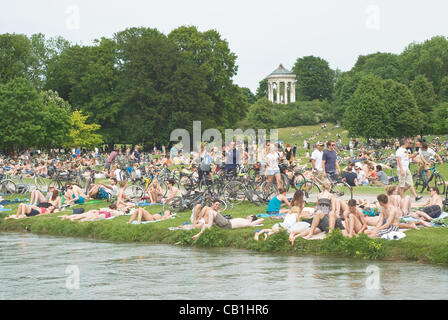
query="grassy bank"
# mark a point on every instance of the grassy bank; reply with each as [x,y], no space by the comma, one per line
[425,245]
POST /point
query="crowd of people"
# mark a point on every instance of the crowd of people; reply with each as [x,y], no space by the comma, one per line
[326,160]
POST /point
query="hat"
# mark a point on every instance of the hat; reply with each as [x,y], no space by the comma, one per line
[320,143]
[358,164]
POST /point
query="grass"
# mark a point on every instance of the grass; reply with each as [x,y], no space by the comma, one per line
[425,245]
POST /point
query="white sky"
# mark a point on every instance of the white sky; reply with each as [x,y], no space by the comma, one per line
[261,33]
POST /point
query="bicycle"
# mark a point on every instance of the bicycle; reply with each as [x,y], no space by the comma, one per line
[7,186]
[422,182]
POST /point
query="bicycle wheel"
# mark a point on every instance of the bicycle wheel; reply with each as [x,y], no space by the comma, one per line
[298,181]
[269,190]
[342,190]
[419,184]
[234,191]
[8,186]
[40,184]
[310,190]
[285,181]
[437,181]
[134,191]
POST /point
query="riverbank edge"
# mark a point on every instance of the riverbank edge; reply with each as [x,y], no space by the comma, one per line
[425,246]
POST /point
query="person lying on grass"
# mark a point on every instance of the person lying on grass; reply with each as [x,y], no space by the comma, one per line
[142,214]
[92,215]
[24,211]
[52,198]
[215,218]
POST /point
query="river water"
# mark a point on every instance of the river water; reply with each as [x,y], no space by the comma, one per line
[45,267]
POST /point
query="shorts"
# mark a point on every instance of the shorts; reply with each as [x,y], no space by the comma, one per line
[405,180]
[80,200]
[432,211]
[386,231]
[273,172]
[102,194]
[33,212]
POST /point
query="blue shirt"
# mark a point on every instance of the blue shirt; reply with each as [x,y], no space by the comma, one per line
[274,205]
[330,160]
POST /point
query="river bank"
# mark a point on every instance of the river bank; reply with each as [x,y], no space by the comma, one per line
[427,245]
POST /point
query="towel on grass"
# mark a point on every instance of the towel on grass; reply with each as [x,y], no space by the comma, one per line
[145,222]
[5,209]
[148,204]
[269,215]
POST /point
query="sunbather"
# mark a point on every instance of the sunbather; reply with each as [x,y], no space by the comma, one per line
[142,214]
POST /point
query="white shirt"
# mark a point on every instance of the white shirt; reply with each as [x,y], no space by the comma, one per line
[117,174]
[427,154]
[317,157]
[272,161]
[404,155]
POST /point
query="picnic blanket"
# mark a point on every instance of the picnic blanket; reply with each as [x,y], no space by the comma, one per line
[148,204]
[269,215]
[17,200]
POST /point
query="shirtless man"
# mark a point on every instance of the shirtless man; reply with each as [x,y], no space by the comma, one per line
[432,208]
[355,222]
[392,215]
[235,223]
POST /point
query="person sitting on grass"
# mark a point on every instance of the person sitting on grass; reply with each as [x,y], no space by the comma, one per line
[123,202]
[274,205]
[24,211]
[142,214]
[389,219]
[172,191]
[155,192]
[432,209]
[215,218]
[38,197]
[355,222]
[74,195]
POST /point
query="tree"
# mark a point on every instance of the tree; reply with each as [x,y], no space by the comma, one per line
[443,92]
[262,90]
[441,119]
[81,133]
[30,119]
[383,65]
[403,116]
[260,114]
[212,55]
[249,95]
[366,111]
[423,92]
[315,79]
[15,56]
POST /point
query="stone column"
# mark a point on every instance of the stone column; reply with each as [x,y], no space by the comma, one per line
[293,91]
[286,92]
[278,91]
[270,95]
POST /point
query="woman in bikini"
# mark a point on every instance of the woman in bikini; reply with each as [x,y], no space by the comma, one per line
[24,211]
[142,214]
[93,215]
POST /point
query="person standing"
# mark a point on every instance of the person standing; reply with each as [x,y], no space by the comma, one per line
[316,159]
[404,174]
[330,165]
[294,150]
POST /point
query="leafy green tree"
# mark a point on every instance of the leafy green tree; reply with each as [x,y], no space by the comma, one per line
[403,116]
[429,58]
[249,95]
[315,79]
[441,119]
[261,114]
[262,90]
[213,56]
[366,113]
[15,56]
[343,90]
[81,133]
[383,65]
[443,92]
[423,92]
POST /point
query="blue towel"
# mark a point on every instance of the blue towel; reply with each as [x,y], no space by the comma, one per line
[5,209]
[148,204]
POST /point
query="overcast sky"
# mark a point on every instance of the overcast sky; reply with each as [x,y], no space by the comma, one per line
[261,33]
